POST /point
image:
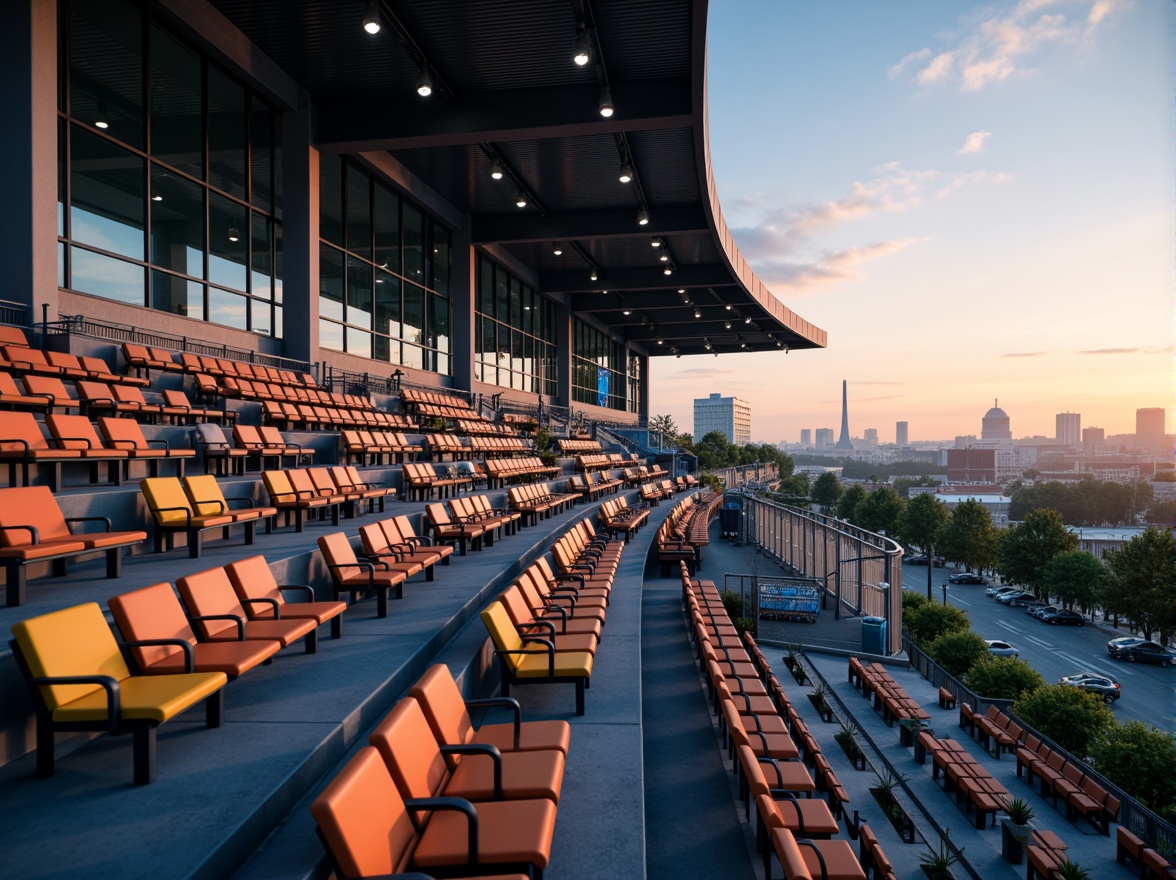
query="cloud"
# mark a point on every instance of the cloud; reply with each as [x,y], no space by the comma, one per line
[1147,349]
[1025,354]
[974,143]
[994,47]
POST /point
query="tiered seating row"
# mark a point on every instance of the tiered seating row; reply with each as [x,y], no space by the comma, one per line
[1068,780]
[572,447]
[889,697]
[618,517]
[441,445]
[376,447]
[434,404]
[591,486]
[520,469]
[535,500]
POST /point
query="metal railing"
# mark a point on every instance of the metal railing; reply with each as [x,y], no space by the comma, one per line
[12,312]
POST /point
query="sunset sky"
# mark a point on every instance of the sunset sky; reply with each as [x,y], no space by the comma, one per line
[974,201]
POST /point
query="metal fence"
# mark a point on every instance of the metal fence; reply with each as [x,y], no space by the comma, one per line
[14,313]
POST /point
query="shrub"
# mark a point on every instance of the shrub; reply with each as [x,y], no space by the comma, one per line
[957,652]
[930,621]
[1139,759]
[912,602]
[1004,678]
[1071,717]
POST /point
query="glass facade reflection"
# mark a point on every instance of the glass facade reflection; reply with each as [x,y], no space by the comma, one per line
[598,368]
[514,335]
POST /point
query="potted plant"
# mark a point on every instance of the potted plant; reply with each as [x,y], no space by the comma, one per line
[1016,830]
[847,739]
[1071,871]
[884,792]
[821,703]
[936,862]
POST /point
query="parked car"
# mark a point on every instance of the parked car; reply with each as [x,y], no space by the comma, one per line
[1000,591]
[1105,687]
[1064,618]
[1040,610]
[1005,598]
[922,560]
[1132,650]
[1022,601]
[999,648]
[966,578]
[1035,606]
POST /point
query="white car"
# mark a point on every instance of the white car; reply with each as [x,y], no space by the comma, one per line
[1000,591]
[998,648]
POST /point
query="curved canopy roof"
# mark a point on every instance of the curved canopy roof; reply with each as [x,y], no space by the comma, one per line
[506,93]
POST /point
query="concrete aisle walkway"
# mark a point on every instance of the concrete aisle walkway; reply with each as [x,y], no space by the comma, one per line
[692,825]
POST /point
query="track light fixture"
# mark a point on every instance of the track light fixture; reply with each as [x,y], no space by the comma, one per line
[496,170]
[371,18]
[661,342]
[779,344]
[655,241]
[697,312]
[742,343]
[665,258]
[557,249]
[424,83]
[582,53]
[643,217]
[593,275]
[727,324]
[747,319]
[727,306]
[606,104]
[234,233]
[520,198]
[706,343]
[668,270]
[102,121]
[626,173]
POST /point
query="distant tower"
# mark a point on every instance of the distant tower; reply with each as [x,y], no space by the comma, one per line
[844,441]
[995,425]
[901,434]
[1069,429]
[806,437]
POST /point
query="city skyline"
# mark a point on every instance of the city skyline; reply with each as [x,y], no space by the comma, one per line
[973,201]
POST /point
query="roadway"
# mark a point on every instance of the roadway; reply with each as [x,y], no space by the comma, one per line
[1148,692]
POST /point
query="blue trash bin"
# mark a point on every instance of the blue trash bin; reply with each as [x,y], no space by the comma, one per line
[874,635]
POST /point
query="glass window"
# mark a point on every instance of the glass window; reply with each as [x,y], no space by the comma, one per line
[180,296]
[359,212]
[260,317]
[177,225]
[277,228]
[228,309]
[501,295]
[109,203]
[413,231]
[177,115]
[412,356]
[516,303]
[106,68]
[330,335]
[387,304]
[106,277]
[486,287]
[277,322]
[439,323]
[261,153]
[331,198]
[228,230]
[414,314]
[387,228]
[441,249]
[331,285]
[226,134]
[359,295]
[359,342]
[261,258]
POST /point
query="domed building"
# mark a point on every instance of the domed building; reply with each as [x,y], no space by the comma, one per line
[995,425]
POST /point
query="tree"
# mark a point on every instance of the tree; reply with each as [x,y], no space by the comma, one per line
[1162,512]
[969,537]
[796,486]
[1073,718]
[1003,678]
[1075,578]
[1024,550]
[959,651]
[826,490]
[714,451]
[930,621]
[920,524]
[1139,759]
[665,427]
[1143,574]
[848,504]
[880,512]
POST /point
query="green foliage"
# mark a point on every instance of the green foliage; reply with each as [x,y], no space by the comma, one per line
[796,486]
[958,651]
[712,482]
[1024,550]
[1004,678]
[1139,759]
[861,470]
[827,489]
[969,536]
[932,620]
[911,602]
[545,447]
[1019,811]
[936,862]
[1162,512]
[847,505]
[1075,577]
[1143,579]
[664,426]
[903,485]
[1089,502]
[880,512]
[1073,718]
[921,522]
[1069,870]
[732,603]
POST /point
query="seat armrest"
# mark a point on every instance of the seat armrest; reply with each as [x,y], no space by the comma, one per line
[184,644]
[106,682]
[480,749]
[457,805]
[32,530]
[273,603]
[105,520]
[305,588]
[233,617]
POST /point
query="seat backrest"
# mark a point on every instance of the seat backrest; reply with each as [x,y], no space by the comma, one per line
[502,631]
[128,394]
[252,578]
[336,549]
[151,613]
[205,494]
[247,436]
[173,397]
[16,426]
[407,745]
[272,437]
[73,432]
[14,336]
[30,506]
[363,820]
[437,694]
[63,359]
[302,483]
[404,526]
[437,514]
[49,386]
[516,608]
[320,478]
[72,641]
[122,433]
[212,436]
[373,539]
[163,493]
[163,355]
[210,592]
[95,365]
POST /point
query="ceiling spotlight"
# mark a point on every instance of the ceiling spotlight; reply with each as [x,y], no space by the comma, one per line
[583,52]
[779,344]
[727,324]
[626,311]
[496,170]
[747,319]
[157,198]
[655,241]
[520,198]
[697,312]
[727,306]
[742,343]
[371,19]
[706,344]
[661,342]
[557,249]
[606,104]
[642,217]
[234,233]
[665,258]
[424,83]
[668,270]
[103,115]
[593,276]
[626,173]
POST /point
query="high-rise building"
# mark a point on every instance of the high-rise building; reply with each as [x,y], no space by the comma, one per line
[1093,439]
[806,436]
[844,441]
[1069,428]
[870,435]
[824,437]
[901,434]
[995,425]
[729,415]
[1149,428]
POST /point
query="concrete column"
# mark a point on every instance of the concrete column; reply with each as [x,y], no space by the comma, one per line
[300,234]
[563,355]
[28,154]
[643,389]
[462,286]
